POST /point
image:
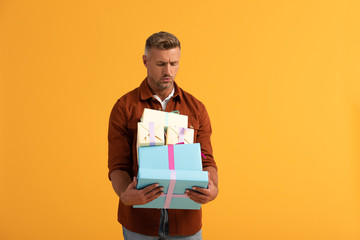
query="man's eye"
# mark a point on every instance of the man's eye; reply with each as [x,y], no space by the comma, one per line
[174,63]
[161,64]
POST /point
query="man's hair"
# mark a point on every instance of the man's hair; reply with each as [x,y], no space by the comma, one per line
[162,40]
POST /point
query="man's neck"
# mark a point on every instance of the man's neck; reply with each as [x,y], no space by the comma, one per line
[163,94]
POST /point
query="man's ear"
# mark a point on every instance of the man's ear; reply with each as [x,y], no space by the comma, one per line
[145,60]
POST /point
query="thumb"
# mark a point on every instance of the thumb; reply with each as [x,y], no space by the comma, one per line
[210,181]
[133,183]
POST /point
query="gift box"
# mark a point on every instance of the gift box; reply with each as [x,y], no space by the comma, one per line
[164,118]
[150,134]
[176,168]
[175,135]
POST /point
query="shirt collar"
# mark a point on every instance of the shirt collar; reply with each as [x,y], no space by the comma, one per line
[167,98]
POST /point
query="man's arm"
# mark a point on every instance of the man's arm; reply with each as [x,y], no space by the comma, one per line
[120,162]
[127,192]
[120,181]
[205,195]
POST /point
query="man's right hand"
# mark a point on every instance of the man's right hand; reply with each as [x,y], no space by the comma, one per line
[133,196]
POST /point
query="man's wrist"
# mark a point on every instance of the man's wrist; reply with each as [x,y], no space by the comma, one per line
[122,198]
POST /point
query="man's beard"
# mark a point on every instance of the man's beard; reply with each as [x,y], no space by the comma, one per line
[161,85]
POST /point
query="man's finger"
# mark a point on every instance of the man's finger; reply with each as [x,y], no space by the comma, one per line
[197,197]
[154,191]
[200,190]
[149,188]
[155,196]
[197,193]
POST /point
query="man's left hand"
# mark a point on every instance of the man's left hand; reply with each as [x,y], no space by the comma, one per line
[203,195]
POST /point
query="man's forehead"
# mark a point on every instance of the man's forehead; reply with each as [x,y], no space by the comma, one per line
[172,54]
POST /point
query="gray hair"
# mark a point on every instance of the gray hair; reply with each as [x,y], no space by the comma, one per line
[161,40]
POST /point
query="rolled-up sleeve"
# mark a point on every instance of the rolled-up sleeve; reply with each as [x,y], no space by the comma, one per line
[120,142]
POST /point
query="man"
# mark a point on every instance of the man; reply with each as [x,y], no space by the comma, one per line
[158,91]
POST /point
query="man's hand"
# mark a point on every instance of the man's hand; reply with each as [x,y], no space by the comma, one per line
[132,196]
[203,195]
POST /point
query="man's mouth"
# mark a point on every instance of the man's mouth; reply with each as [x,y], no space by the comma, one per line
[167,78]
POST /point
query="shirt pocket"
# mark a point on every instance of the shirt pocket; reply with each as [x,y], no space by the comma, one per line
[193,123]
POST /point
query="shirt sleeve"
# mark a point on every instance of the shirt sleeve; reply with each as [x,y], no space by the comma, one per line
[203,137]
[120,143]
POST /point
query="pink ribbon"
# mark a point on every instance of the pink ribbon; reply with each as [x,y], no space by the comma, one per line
[171,157]
[152,133]
[171,188]
[174,196]
[170,192]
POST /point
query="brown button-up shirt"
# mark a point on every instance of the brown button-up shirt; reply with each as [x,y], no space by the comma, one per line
[122,154]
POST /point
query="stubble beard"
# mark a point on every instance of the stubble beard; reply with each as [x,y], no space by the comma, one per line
[161,85]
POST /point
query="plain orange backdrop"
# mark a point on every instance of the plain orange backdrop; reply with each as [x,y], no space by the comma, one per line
[280,79]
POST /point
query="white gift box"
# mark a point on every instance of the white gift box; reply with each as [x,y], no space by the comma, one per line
[164,118]
[175,135]
[150,134]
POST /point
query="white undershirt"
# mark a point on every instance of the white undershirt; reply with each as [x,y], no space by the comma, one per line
[166,100]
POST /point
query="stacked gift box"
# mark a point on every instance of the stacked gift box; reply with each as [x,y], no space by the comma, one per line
[173,162]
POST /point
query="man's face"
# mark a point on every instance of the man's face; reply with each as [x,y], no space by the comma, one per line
[162,67]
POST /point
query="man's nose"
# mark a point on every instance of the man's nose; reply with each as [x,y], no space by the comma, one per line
[167,69]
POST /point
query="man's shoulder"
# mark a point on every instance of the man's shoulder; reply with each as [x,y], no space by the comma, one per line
[130,96]
[127,102]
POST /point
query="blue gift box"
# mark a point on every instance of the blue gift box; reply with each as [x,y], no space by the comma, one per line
[176,168]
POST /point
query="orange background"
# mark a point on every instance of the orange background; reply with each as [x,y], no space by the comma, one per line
[280,79]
